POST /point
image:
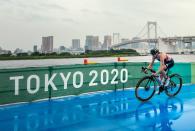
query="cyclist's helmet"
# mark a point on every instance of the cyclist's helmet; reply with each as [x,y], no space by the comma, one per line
[154,51]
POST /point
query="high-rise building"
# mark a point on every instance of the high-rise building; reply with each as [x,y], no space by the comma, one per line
[96,45]
[116,38]
[35,48]
[47,44]
[92,43]
[76,44]
[62,49]
[107,42]
[88,42]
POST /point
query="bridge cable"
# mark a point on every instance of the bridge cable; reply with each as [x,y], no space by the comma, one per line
[141,31]
[151,27]
[163,33]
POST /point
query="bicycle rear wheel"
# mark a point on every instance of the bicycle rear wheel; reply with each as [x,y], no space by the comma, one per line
[174,86]
[174,107]
[145,88]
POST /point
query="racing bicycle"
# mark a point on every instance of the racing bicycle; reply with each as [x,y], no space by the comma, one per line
[148,85]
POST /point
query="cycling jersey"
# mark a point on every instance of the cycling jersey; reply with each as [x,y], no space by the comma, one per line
[168,61]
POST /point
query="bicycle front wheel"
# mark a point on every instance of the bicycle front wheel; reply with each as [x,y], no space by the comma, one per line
[174,86]
[145,88]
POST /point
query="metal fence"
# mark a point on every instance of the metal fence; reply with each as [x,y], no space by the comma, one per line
[29,84]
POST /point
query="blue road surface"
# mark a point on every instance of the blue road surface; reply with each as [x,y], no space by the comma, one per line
[104,111]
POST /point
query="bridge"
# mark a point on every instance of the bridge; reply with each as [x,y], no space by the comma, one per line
[176,44]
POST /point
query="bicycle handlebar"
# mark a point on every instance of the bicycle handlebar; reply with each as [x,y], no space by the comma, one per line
[145,68]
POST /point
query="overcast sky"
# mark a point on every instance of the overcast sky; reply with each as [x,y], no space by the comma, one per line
[24,22]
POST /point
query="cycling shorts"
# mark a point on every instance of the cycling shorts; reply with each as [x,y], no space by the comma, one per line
[169,64]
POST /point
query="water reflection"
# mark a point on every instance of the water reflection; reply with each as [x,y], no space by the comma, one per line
[102,110]
[159,116]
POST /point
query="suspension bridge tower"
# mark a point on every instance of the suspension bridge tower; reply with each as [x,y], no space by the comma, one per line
[150,26]
[152,31]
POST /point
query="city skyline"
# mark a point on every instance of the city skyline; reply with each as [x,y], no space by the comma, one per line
[23,22]
[48,46]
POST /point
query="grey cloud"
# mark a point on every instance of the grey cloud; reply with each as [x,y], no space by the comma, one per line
[31,17]
[31,11]
[5,1]
[34,6]
[37,17]
[109,13]
[103,12]
[53,6]
[69,20]
[89,11]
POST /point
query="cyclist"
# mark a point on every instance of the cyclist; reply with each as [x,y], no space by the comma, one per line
[166,62]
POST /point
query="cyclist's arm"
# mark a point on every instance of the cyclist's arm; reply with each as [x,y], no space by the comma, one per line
[151,64]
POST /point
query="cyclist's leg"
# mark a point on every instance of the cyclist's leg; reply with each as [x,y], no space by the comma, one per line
[169,66]
[162,77]
[161,87]
[165,77]
[163,73]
